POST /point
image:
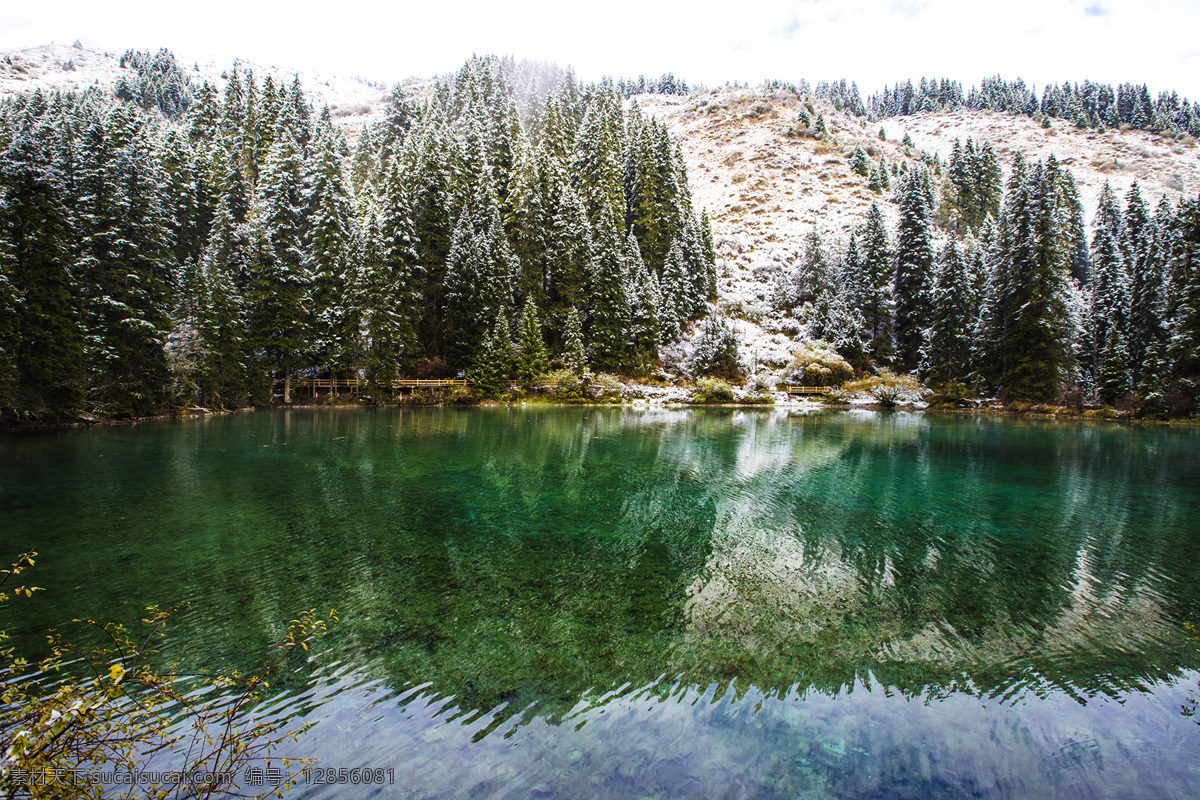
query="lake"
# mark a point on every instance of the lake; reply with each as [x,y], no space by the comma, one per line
[646,603]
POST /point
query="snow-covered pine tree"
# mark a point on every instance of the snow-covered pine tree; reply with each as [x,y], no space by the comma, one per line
[574,356]
[1113,374]
[641,287]
[35,229]
[1035,344]
[607,302]
[329,259]
[493,364]
[716,350]
[946,354]
[532,359]
[479,273]
[126,264]
[875,298]
[858,162]
[914,268]
[1183,299]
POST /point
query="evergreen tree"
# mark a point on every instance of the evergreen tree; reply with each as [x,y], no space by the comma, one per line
[388,257]
[493,364]
[126,265]
[809,278]
[607,301]
[947,351]
[914,269]
[875,298]
[532,360]
[36,232]
[1114,368]
[1183,298]
[641,287]
[574,357]
[858,162]
[329,260]
[479,276]
[716,350]
[1035,340]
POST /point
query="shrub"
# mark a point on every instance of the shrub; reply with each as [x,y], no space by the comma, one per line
[887,389]
[460,396]
[816,363]
[712,390]
[563,385]
[111,708]
[606,387]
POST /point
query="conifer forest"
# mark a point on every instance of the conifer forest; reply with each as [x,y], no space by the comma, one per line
[164,244]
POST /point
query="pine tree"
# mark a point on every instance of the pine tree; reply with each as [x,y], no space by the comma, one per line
[1183,298]
[1113,379]
[126,265]
[716,350]
[946,354]
[641,287]
[532,360]
[574,357]
[1110,293]
[329,260]
[858,162]
[278,277]
[493,364]
[35,228]
[1035,243]
[914,269]
[607,301]
[479,277]
[875,298]
[809,278]
[388,258]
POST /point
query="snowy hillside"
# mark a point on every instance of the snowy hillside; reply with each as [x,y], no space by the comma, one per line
[764,183]
[352,100]
[765,189]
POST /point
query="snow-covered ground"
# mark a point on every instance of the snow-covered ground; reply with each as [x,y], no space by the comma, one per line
[352,101]
[765,189]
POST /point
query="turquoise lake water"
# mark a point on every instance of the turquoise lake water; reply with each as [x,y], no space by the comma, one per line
[582,602]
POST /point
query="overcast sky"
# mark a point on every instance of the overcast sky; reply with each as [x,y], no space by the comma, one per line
[871,41]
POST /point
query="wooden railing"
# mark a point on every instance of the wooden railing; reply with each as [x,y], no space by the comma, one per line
[808,389]
[353,383]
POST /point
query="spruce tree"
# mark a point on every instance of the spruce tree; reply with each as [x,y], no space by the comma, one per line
[574,356]
[1183,298]
[875,298]
[946,353]
[35,226]
[1113,376]
[1036,341]
[858,162]
[608,304]
[532,360]
[329,258]
[493,364]
[914,269]
[641,287]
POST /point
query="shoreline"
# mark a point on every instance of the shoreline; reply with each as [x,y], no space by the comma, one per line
[1037,411]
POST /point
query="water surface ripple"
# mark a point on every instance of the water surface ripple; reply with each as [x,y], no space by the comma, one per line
[656,602]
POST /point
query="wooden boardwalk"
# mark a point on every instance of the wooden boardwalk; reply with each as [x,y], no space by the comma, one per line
[803,390]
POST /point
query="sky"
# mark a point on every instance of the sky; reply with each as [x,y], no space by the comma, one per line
[873,42]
